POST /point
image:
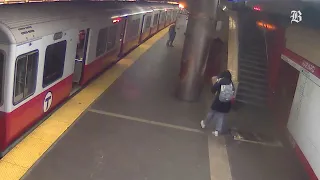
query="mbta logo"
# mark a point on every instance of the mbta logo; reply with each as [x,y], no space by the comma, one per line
[47,102]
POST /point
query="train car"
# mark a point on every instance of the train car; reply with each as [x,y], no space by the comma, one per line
[50,50]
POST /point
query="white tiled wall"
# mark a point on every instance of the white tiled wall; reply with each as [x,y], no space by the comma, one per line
[304,120]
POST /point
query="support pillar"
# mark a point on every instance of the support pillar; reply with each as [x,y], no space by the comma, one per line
[201,23]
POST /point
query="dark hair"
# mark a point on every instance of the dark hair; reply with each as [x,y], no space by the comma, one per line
[226,74]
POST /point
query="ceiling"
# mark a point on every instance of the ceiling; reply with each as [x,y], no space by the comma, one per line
[284,6]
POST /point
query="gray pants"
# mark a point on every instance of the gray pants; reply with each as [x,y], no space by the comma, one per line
[216,117]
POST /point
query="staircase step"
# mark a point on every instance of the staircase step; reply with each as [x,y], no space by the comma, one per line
[253,62]
[253,58]
[260,53]
[257,74]
[256,41]
[252,67]
[253,52]
[249,79]
[253,85]
[248,42]
[242,89]
[251,99]
[252,31]
[249,49]
[257,104]
[252,46]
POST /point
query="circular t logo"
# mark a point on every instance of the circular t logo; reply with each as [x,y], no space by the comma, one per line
[47,102]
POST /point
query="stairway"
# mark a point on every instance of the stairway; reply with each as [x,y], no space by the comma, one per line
[252,64]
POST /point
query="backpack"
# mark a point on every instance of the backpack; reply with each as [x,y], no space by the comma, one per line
[226,93]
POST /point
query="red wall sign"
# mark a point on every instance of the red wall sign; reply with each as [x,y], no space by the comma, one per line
[309,66]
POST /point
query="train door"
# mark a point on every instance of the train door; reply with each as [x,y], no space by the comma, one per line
[122,36]
[159,21]
[142,27]
[80,58]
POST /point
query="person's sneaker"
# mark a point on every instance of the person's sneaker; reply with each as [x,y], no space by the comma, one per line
[215,133]
[202,124]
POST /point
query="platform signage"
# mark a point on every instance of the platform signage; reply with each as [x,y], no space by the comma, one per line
[47,102]
[306,67]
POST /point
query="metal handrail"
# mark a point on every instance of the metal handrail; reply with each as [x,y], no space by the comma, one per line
[266,44]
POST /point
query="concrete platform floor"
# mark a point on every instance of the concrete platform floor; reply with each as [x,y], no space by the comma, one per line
[249,161]
[105,147]
[138,130]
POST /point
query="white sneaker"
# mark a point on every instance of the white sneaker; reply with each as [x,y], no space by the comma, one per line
[215,133]
[202,124]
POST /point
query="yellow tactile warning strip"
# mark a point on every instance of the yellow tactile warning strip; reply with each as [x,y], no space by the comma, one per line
[17,162]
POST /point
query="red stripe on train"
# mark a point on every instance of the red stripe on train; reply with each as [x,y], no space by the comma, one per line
[17,122]
[14,124]
[98,65]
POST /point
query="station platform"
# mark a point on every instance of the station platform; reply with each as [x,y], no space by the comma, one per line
[128,125]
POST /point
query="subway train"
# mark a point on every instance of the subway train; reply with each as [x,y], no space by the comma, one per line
[50,50]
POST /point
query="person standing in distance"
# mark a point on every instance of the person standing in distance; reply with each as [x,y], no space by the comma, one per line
[223,89]
[172,35]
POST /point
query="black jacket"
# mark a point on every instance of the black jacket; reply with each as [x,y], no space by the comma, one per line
[217,105]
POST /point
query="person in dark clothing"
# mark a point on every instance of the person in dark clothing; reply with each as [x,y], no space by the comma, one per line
[172,35]
[224,90]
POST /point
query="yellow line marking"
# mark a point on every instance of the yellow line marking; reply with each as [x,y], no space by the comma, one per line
[145,121]
[218,159]
[17,162]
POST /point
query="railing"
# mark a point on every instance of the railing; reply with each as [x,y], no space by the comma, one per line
[266,45]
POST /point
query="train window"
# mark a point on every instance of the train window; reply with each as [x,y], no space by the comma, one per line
[163,18]
[155,19]
[25,79]
[133,29]
[102,42]
[80,45]
[175,15]
[169,16]
[148,22]
[54,62]
[1,74]
[112,37]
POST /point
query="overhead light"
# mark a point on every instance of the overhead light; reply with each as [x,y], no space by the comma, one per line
[266,25]
[116,20]
[224,8]
[181,6]
[257,8]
